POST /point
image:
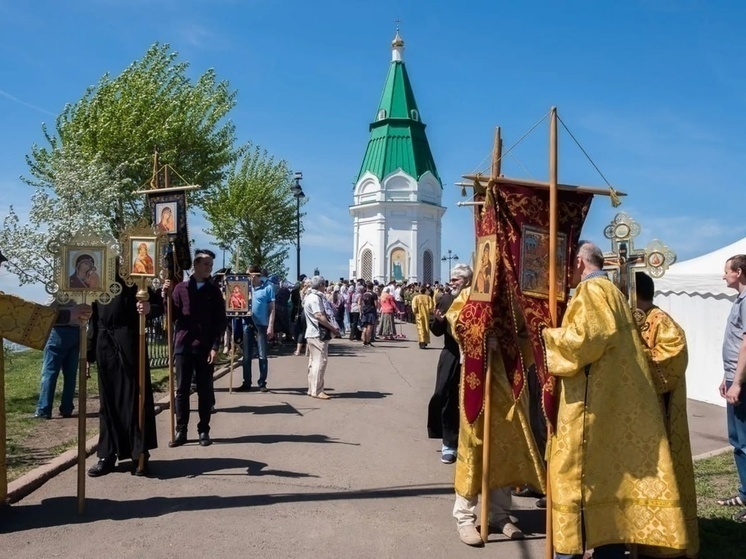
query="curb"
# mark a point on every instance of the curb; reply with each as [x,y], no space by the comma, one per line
[712,453]
[33,480]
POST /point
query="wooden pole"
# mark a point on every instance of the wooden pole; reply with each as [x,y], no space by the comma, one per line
[170,346]
[553,179]
[82,411]
[233,356]
[484,531]
[142,297]
[487,413]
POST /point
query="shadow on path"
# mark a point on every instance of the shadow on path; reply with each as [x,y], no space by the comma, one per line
[193,467]
[59,511]
[281,438]
[271,409]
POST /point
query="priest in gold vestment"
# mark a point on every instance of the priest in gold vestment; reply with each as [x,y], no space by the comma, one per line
[422,307]
[665,347]
[611,471]
[514,457]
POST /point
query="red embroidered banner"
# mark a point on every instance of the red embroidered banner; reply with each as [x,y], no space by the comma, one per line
[477,316]
[513,230]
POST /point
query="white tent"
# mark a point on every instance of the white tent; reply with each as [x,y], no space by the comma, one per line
[694,294]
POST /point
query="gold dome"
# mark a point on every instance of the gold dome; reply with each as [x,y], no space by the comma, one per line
[398,41]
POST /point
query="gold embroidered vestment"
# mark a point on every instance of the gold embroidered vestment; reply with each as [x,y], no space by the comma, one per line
[514,456]
[610,461]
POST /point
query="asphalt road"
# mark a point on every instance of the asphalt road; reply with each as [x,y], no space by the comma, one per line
[289,476]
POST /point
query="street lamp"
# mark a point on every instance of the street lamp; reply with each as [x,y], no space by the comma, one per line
[450,257]
[297,191]
[224,247]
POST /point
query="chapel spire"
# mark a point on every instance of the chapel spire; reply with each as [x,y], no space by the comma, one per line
[397,48]
[397,135]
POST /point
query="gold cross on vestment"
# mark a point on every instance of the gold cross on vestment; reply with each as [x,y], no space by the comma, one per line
[624,260]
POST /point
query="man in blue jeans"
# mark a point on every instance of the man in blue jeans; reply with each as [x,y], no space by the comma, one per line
[60,353]
[734,365]
[259,326]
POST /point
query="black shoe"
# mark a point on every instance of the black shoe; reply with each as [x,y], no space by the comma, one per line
[526,491]
[204,439]
[103,466]
[66,414]
[179,439]
[243,388]
[263,388]
[541,503]
[39,415]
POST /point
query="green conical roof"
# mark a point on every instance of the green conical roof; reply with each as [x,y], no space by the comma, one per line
[397,135]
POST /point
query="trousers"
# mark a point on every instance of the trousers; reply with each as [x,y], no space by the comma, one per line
[464,508]
[60,354]
[317,361]
[189,366]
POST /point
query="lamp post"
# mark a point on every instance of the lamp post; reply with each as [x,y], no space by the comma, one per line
[297,191]
[224,247]
[450,257]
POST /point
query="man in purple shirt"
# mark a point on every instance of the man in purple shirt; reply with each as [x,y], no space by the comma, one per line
[199,319]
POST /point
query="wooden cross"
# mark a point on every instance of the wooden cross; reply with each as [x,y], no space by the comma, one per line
[624,260]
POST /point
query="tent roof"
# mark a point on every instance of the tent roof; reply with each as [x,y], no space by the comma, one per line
[701,275]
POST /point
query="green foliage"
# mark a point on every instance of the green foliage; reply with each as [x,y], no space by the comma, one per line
[103,148]
[151,105]
[84,193]
[255,211]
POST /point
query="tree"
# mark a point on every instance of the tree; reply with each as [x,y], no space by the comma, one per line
[84,193]
[151,105]
[102,153]
[255,210]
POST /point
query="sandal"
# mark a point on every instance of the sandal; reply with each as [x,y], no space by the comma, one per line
[735,501]
[740,517]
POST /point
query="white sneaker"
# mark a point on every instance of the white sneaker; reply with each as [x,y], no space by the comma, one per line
[469,535]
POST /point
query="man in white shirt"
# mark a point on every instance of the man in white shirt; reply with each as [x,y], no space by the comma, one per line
[316,315]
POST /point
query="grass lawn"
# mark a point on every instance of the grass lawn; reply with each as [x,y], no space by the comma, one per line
[721,537]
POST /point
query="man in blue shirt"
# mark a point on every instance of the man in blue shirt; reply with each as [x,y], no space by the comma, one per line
[258,327]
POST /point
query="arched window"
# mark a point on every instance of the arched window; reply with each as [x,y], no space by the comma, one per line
[427,267]
[381,114]
[366,265]
[414,114]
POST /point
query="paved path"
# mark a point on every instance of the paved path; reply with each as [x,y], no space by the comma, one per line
[289,476]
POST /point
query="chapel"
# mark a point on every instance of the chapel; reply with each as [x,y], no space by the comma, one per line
[396,208]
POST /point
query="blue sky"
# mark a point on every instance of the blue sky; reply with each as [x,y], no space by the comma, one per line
[653,89]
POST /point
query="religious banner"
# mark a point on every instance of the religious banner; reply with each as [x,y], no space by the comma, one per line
[85,271]
[515,219]
[237,295]
[477,315]
[84,267]
[523,229]
[168,211]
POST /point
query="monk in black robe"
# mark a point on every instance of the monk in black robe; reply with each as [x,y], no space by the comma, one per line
[113,340]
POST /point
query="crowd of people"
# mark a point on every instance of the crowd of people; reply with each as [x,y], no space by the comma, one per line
[601,358]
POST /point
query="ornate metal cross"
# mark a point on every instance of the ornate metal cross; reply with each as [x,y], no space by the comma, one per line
[625,260]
